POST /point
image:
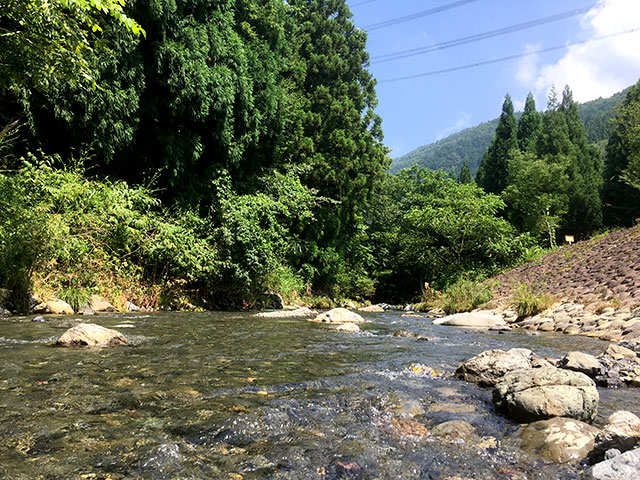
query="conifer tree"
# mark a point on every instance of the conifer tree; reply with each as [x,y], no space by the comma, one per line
[465,173]
[584,214]
[621,199]
[493,169]
[529,126]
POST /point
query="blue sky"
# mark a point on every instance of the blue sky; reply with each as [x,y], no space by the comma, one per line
[422,110]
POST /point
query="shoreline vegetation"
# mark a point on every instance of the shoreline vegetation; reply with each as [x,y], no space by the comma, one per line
[149,163]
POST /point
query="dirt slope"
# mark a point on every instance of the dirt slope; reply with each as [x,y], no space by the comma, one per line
[603,270]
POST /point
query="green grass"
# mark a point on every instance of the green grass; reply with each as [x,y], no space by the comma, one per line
[527,301]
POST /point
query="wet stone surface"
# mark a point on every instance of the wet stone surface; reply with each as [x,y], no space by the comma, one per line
[221,395]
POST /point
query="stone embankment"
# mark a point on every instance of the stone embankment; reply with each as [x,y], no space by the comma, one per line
[603,271]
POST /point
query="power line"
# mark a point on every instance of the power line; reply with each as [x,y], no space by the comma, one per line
[511,57]
[388,57]
[362,3]
[413,16]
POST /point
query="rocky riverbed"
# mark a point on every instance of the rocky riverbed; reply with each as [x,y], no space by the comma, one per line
[230,395]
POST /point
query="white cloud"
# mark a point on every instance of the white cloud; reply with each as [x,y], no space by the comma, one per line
[463,121]
[528,66]
[599,68]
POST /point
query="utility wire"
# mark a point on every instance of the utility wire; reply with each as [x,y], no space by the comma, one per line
[511,57]
[388,57]
[413,16]
[362,3]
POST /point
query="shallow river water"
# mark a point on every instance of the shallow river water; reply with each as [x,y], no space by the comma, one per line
[231,396]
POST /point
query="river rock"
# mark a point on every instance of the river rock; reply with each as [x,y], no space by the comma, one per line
[100,305]
[92,335]
[408,334]
[348,327]
[480,319]
[38,319]
[4,312]
[581,362]
[372,309]
[302,312]
[559,439]
[338,315]
[619,352]
[535,394]
[620,467]
[59,307]
[621,432]
[488,367]
[131,307]
[85,310]
[454,430]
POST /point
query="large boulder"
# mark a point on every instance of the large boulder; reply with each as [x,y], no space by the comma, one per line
[92,335]
[559,439]
[540,393]
[480,319]
[487,368]
[581,362]
[59,307]
[621,432]
[100,305]
[338,315]
[620,467]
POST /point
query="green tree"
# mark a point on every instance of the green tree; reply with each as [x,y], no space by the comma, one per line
[537,194]
[492,174]
[43,41]
[465,174]
[426,227]
[584,214]
[622,172]
[334,131]
[529,126]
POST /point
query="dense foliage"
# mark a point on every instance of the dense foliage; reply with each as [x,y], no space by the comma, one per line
[231,150]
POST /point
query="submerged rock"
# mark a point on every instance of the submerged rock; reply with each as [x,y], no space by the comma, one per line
[348,327]
[301,312]
[488,367]
[471,319]
[92,335]
[408,334]
[559,439]
[458,430]
[541,393]
[620,467]
[38,319]
[622,432]
[338,315]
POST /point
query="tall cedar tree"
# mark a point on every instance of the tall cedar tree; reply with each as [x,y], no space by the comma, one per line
[622,201]
[584,215]
[335,131]
[465,173]
[563,142]
[529,126]
[492,174]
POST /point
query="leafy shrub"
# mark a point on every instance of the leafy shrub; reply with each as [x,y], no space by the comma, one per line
[528,302]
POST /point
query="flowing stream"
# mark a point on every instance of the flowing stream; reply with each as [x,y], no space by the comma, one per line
[230,396]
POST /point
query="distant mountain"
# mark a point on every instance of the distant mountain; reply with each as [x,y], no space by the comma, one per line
[471,143]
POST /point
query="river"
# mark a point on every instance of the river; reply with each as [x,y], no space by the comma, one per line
[230,396]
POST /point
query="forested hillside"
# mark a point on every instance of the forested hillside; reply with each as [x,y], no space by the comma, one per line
[469,144]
